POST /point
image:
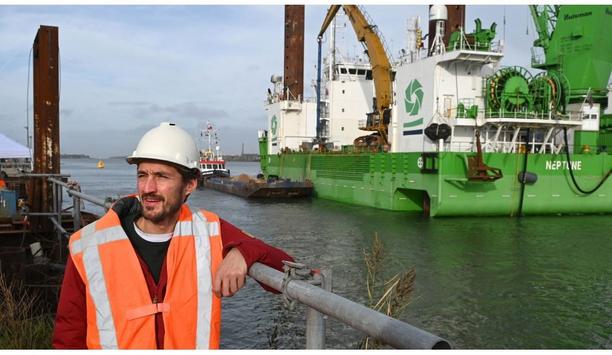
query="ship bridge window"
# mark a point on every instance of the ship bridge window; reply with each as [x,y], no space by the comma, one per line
[361,72]
[368,75]
[352,71]
[342,70]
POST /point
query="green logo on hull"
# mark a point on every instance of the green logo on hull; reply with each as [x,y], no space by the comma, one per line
[414,97]
[273,125]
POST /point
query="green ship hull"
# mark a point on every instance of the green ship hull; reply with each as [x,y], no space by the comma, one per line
[394,181]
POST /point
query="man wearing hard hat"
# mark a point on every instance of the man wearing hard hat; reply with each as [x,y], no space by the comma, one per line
[150,273]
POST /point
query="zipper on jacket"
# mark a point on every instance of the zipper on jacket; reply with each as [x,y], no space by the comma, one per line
[155,320]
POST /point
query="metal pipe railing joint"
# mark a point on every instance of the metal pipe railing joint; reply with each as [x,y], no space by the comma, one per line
[393,332]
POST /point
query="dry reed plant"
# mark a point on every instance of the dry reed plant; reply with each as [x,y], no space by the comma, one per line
[22,326]
[389,297]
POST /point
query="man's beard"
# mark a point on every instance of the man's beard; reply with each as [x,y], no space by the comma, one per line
[165,212]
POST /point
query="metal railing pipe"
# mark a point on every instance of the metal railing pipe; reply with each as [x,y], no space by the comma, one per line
[43,214]
[57,200]
[391,331]
[59,227]
[81,195]
[315,323]
[44,175]
[76,213]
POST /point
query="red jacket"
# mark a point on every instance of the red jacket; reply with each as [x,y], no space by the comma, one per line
[71,323]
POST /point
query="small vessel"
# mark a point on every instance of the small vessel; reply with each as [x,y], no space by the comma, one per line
[211,161]
[100,164]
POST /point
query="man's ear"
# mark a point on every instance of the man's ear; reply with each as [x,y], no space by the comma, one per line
[190,186]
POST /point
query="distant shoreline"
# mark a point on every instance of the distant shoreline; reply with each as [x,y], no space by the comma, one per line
[239,158]
[242,158]
[74,156]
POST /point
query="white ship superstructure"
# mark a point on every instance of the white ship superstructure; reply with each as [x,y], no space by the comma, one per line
[346,95]
[438,86]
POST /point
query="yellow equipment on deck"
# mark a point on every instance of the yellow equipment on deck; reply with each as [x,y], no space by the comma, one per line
[381,67]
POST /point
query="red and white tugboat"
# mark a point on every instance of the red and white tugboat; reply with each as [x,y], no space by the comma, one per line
[211,161]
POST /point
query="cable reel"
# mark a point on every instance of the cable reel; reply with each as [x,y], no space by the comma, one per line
[549,92]
[545,93]
[508,90]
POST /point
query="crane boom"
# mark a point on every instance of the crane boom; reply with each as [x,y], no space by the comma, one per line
[331,13]
[540,23]
[379,61]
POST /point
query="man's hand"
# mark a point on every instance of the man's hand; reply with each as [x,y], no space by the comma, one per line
[231,274]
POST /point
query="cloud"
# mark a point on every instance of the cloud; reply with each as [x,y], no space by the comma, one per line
[128,103]
[112,141]
[122,142]
[126,68]
[65,112]
[185,110]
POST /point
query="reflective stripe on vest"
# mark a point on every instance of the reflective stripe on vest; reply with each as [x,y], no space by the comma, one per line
[200,231]
[120,313]
[95,279]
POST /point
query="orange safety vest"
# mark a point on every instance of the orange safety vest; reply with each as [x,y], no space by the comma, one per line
[120,313]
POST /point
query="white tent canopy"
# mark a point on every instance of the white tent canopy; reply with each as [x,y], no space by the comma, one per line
[11,149]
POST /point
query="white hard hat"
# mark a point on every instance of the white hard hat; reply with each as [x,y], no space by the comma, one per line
[170,143]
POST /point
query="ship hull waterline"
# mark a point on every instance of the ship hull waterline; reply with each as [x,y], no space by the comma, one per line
[395,181]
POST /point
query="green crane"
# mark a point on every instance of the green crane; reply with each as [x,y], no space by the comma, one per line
[575,43]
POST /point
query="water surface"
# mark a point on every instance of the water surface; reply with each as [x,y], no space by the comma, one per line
[536,282]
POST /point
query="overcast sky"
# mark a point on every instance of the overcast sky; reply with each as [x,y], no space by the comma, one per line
[124,69]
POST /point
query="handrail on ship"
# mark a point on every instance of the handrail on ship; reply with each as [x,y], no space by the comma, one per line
[320,301]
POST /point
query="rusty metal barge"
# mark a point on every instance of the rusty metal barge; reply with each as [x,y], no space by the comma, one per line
[250,187]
